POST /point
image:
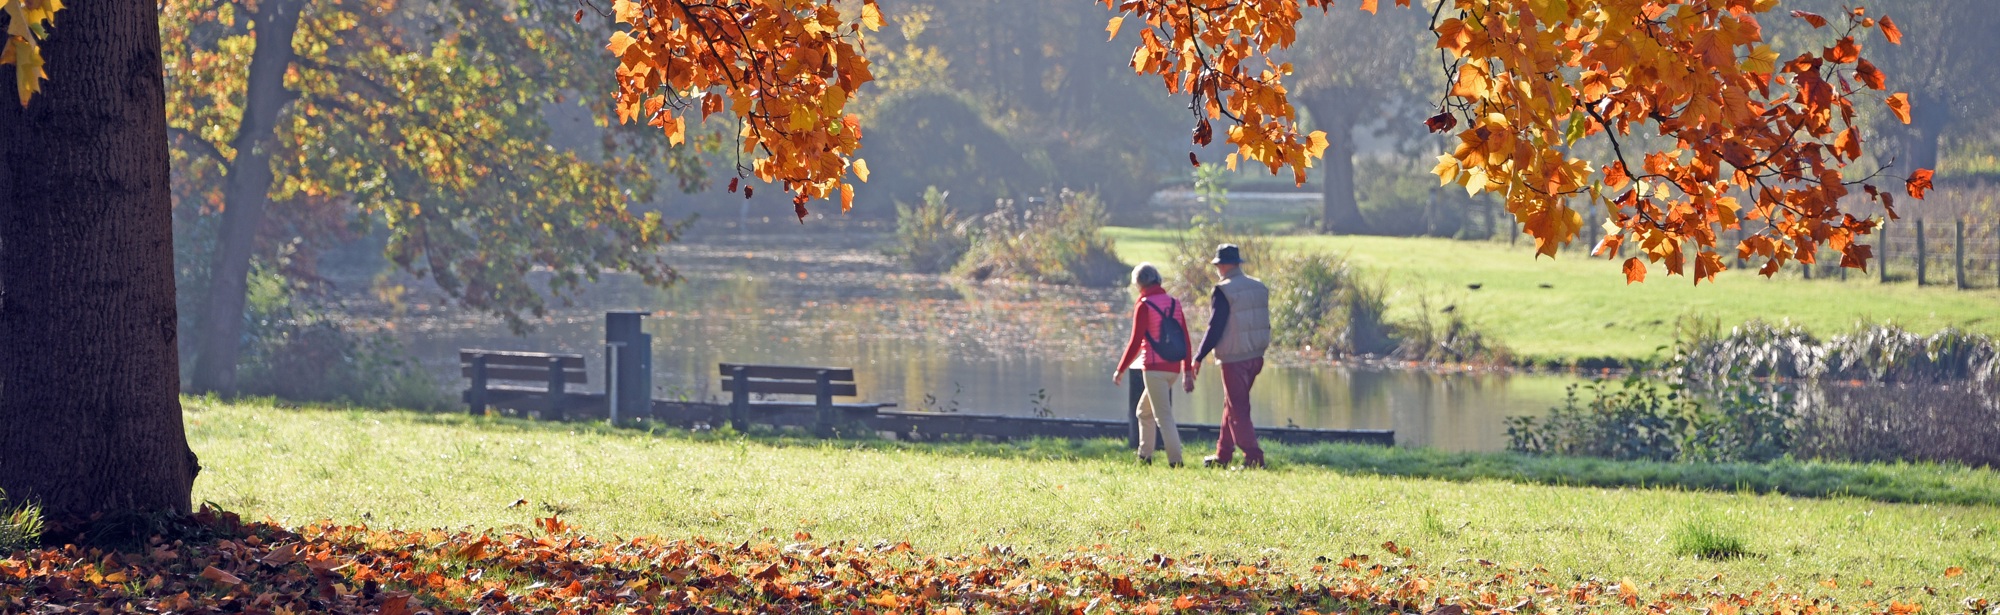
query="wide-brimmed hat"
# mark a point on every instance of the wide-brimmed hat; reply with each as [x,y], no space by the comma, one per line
[1227,254]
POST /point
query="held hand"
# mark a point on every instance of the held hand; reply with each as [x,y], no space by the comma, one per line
[1188,385]
[1118,378]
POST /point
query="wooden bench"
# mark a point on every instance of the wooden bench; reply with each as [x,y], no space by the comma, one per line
[555,371]
[821,383]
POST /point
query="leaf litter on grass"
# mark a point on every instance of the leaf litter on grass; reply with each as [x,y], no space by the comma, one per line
[223,564]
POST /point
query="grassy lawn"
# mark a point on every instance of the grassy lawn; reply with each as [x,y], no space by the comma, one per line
[408,470]
[1588,310]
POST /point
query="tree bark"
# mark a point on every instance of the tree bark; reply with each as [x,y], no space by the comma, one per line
[246,196]
[1334,112]
[90,416]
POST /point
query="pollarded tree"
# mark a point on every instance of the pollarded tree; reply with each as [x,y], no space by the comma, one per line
[1349,73]
[426,117]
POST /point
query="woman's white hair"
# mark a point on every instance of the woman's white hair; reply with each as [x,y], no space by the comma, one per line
[1145,275]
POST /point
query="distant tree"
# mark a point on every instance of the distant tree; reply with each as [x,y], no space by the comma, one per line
[427,118]
[1948,70]
[1350,73]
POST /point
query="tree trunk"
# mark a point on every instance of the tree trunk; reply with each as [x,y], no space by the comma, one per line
[246,196]
[1929,115]
[1333,112]
[90,415]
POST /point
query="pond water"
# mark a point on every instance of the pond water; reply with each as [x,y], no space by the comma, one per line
[932,343]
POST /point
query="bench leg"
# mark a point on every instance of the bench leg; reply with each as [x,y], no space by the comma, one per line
[556,389]
[739,406]
[823,427]
[476,396]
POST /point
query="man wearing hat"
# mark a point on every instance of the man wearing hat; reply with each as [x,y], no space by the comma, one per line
[1239,330]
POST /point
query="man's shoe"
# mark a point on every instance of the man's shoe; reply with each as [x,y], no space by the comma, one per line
[1175,464]
[1145,461]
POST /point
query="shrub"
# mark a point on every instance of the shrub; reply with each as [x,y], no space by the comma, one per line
[298,351]
[1879,393]
[1056,241]
[1319,302]
[930,236]
[1635,420]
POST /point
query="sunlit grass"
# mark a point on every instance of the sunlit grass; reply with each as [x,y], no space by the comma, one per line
[1575,307]
[416,470]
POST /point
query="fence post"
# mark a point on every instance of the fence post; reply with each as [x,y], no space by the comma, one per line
[1882,248]
[1958,250]
[1922,254]
[1133,391]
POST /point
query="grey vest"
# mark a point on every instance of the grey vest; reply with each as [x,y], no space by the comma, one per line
[1249,330]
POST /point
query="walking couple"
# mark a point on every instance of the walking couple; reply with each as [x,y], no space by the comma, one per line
[1239,329]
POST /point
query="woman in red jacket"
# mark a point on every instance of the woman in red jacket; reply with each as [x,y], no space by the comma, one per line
[1160,345]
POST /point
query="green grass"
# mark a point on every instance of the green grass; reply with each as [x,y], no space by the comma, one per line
[1704,539]
[413,470]
[1589,311]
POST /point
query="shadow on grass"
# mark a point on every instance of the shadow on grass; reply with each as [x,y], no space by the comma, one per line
[1917,483]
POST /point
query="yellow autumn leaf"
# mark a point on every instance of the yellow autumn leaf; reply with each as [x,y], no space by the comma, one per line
[861,169]
[1116,22]
[871,15]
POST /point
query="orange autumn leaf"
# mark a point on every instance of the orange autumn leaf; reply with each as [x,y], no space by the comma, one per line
[1899,103]
[1890,31]
[1870,76]
[1953,572]
[1919,183]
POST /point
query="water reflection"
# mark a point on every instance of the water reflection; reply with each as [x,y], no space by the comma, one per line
[927,343]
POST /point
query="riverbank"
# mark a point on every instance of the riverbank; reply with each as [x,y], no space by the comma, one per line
[414,471]
[1576,310]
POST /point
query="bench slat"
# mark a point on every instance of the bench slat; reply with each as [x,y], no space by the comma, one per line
[521,359]
[788,372]
[790,387]
[530,374]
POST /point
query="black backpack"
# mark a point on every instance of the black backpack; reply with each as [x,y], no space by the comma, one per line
[1172,345]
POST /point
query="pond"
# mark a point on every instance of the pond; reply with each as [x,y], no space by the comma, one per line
[927,342]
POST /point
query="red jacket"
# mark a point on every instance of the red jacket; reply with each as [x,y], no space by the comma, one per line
[1146,321]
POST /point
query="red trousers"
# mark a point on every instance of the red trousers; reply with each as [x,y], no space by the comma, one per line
[1236,430]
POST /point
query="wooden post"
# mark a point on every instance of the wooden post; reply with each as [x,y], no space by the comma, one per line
[1134,389]
[1922,254]
[823,426]
[1958,251]
[477,396]
[1882,253]
[557,387]
[739,405]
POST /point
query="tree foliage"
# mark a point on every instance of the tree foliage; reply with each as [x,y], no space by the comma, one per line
[27,24]
[429,119]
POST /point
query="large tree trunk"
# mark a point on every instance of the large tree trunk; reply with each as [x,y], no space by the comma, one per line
[1336,113]
[246,195]
[90,415]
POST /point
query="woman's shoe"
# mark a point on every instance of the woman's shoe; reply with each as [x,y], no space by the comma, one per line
[1212,461]
[1175,464]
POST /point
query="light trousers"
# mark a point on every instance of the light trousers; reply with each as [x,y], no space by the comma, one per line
[1156,414]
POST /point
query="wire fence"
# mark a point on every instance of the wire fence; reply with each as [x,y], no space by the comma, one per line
[1950,240]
